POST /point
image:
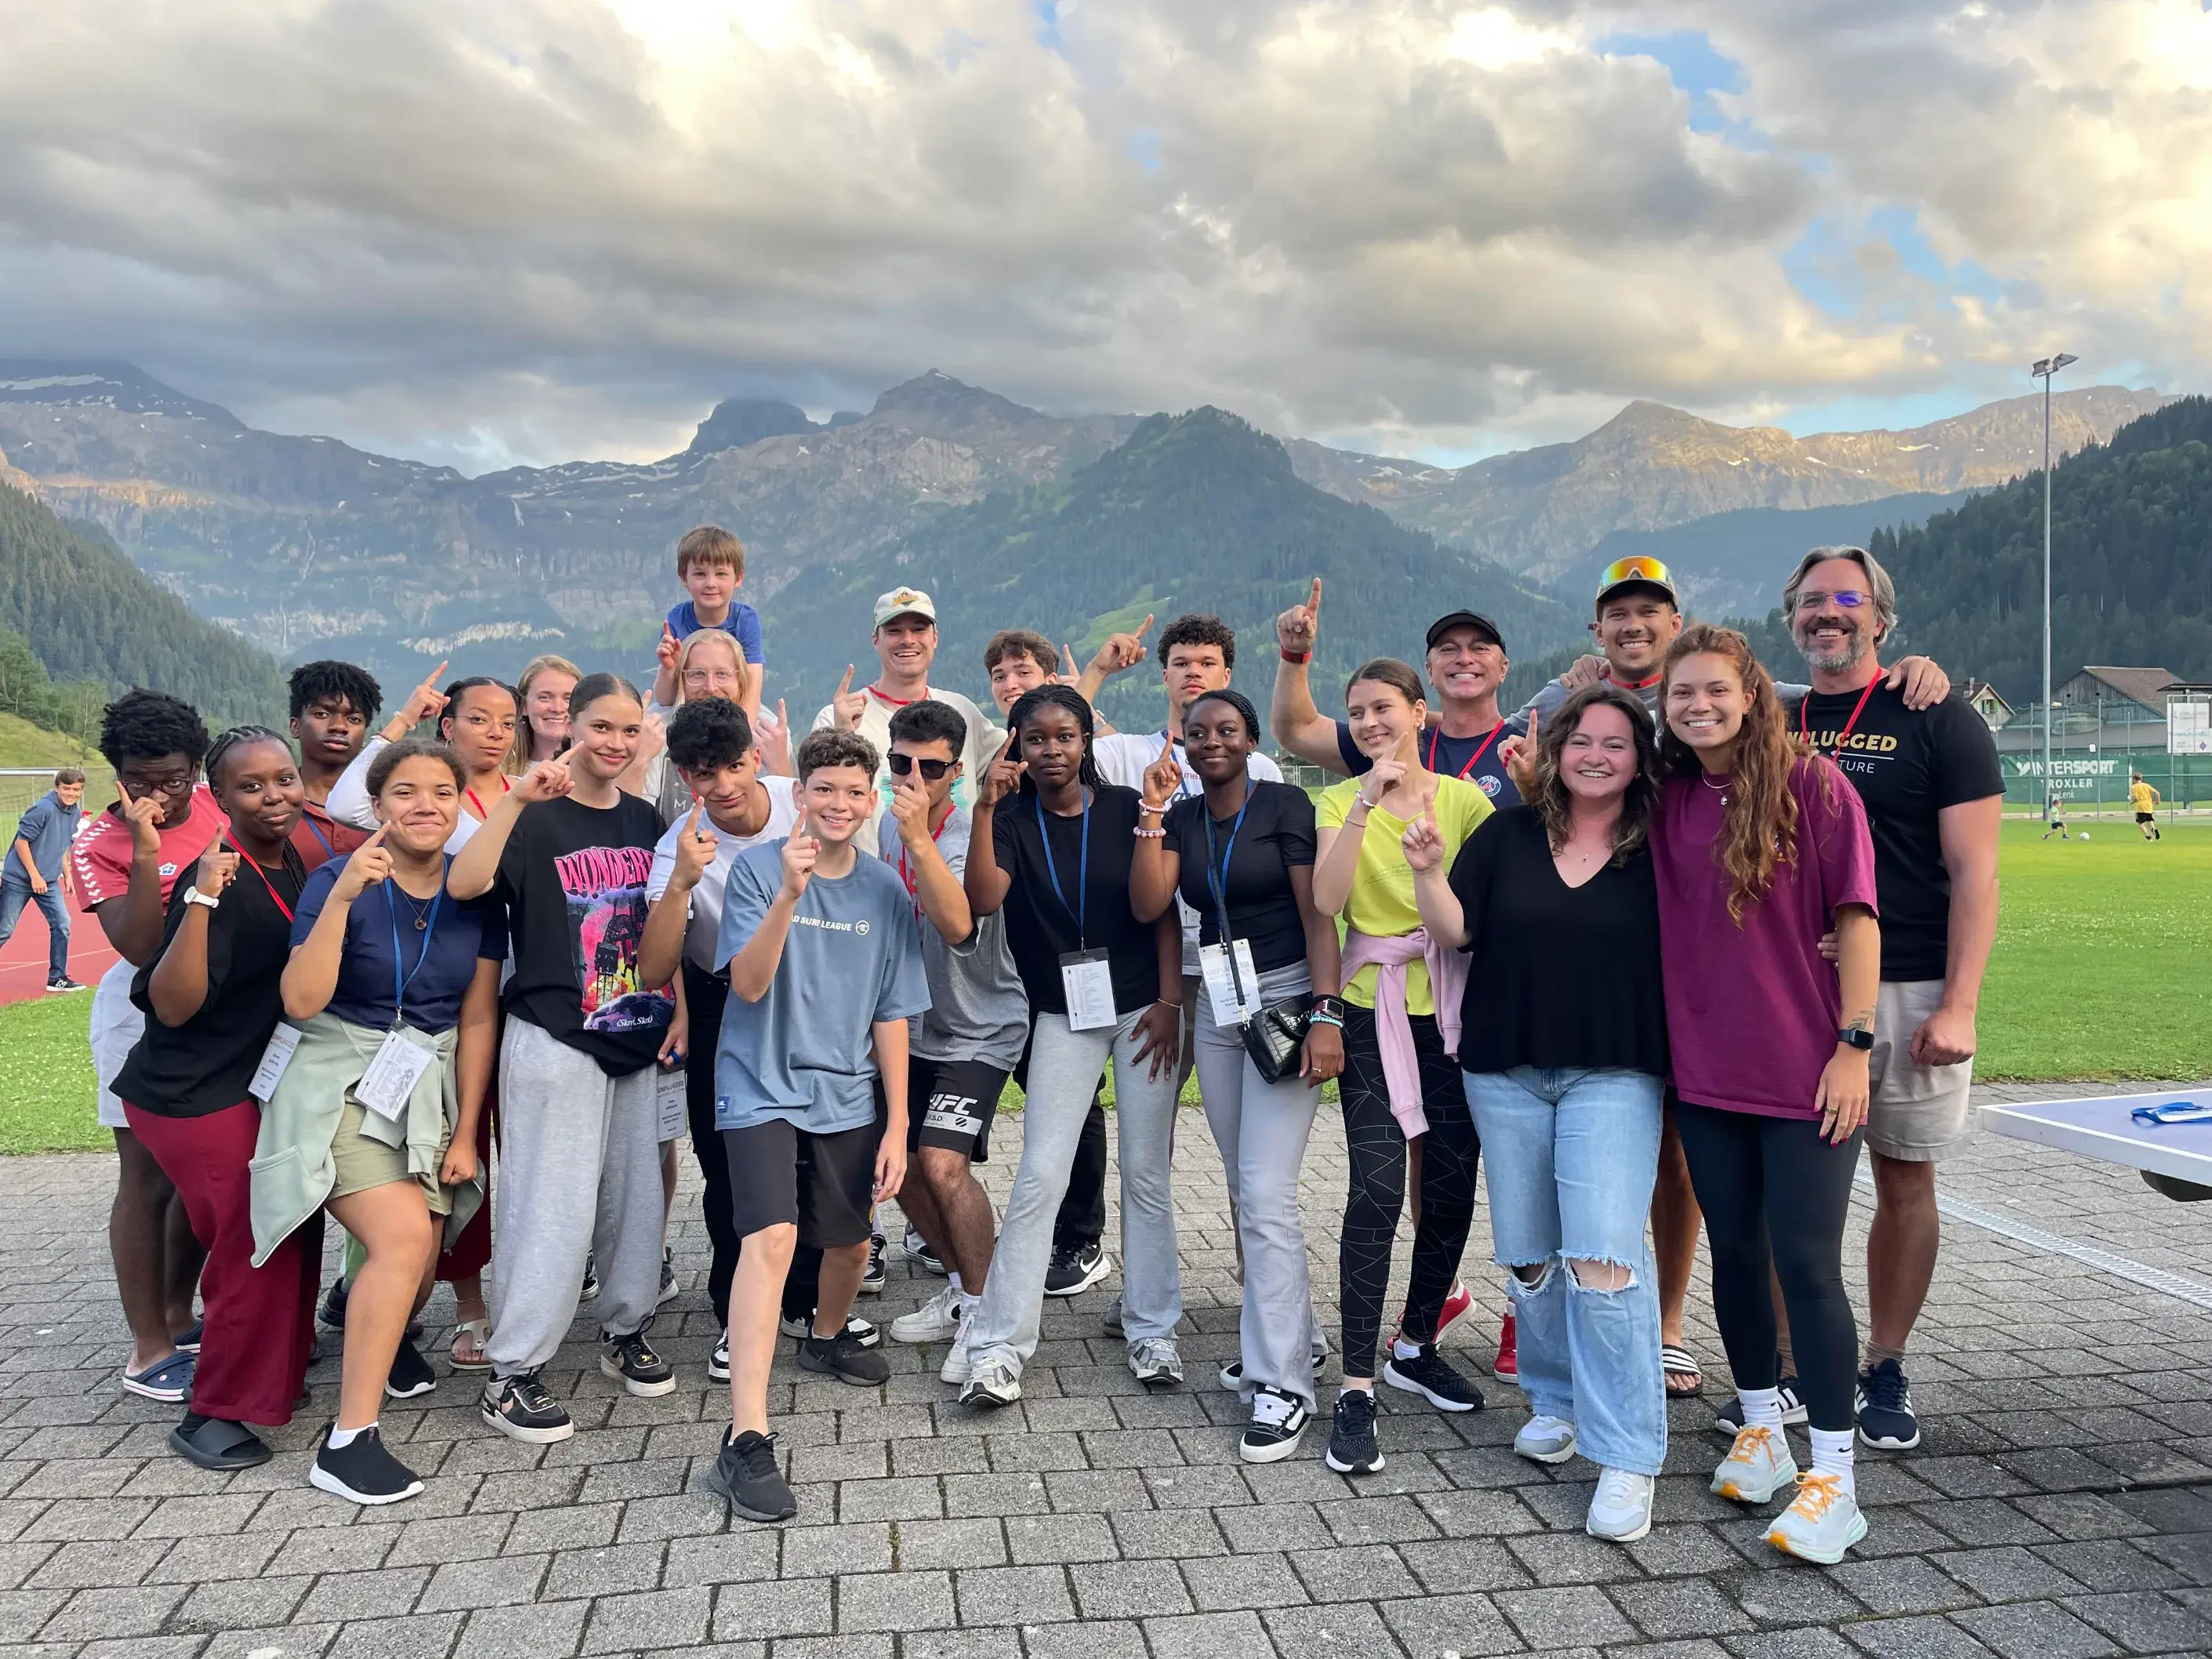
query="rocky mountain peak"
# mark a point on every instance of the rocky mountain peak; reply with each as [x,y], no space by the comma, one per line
[120,386]
[737,421]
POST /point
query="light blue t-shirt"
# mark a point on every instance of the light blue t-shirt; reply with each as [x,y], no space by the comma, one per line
[852,957]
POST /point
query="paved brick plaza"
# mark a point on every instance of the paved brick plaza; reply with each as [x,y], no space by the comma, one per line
[2061,1506]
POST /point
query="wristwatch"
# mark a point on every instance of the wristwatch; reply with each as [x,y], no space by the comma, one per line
[1858,1038]
[193,895]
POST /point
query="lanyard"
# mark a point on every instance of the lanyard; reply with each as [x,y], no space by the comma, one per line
[1219,883]
[1804,729]
[504,786]
[429,932]
[1633,685]
[276,897]
[308,819]
[896,703]
[1437,735]
[1083,870]
[906,872]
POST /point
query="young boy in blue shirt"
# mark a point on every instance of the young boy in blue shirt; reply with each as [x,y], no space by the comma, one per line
[710,562]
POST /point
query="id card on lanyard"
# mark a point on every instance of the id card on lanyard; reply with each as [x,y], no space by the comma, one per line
[399,1063]
[1086,979]
[1232,986]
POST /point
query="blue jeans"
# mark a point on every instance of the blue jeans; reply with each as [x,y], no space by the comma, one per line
[15,894]
[1573,1158]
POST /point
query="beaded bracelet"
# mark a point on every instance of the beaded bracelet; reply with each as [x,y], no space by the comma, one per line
[1143,834]
[1326,1019]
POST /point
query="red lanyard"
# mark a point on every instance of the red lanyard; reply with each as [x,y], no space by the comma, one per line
[275,896]
[1805,730]
[1634,685]
[906,874]
[504,786]
[1437,735]
[896,703]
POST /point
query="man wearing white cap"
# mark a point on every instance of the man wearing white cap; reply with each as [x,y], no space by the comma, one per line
[906,646]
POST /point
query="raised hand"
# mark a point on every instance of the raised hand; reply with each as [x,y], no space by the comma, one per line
[910,809]
[1381,778]
[1297,628]
[694,851]
[1069,673]
[425,702]
[668,649]
[1163,778]
[799,851]
[1002,780]
[1122,651]
[1423,843]
[369,864]
[1518,756]
[143,815]
[652,735]
[216,867]
[849,704]
[775,742]
[549,779]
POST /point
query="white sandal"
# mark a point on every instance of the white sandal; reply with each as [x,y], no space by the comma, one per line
[478,1331]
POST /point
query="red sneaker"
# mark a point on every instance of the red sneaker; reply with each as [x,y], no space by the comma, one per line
[1456,1303]
[1508,1366]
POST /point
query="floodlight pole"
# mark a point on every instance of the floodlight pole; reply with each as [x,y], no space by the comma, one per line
[2045,369]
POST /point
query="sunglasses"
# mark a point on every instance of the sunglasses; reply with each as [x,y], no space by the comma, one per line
[931,770]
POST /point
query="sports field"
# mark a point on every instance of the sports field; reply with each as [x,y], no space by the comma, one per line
[2101,971]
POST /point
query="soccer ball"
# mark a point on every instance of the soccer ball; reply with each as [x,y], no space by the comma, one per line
[2085,834]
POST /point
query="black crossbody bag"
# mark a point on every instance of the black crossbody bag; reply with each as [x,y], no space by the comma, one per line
[1272,1036]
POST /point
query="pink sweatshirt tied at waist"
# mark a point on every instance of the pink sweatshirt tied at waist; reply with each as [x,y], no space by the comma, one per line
[1394,1029]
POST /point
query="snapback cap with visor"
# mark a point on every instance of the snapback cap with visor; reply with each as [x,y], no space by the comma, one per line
[1474,619]
[1639,571]
[904,602]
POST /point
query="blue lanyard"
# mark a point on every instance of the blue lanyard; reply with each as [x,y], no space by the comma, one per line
[1219,883]
[429,932]
[329,851]
[1083,870]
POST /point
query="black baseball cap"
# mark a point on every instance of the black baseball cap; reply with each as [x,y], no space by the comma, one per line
[1474,619]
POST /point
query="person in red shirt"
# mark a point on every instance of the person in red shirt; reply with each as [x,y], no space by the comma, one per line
[123,864]
[332,705]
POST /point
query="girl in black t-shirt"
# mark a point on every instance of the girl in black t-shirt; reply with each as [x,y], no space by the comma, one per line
[1241,854]
[1051,846]
[211,996]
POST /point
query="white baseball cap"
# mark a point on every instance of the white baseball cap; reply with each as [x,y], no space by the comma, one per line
[904,602]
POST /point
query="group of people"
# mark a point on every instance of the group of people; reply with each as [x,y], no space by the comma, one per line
[1671,944]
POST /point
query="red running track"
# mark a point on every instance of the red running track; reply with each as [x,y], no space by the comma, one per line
[24,958]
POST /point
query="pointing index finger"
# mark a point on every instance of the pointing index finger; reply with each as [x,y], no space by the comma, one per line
[377,838]
[846,685]
[698,805]
[1147,629]
[1313,600]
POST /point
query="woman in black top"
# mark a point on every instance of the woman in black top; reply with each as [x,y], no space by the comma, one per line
[212,996]
[1051,844]
[1563,1042]
[1241,854]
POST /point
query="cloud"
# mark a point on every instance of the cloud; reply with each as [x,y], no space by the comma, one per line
[537,228]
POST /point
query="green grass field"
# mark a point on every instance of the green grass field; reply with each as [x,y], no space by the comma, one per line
[2098,972]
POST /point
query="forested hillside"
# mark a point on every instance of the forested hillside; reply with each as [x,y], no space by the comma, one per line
[88,613]
[1194,512]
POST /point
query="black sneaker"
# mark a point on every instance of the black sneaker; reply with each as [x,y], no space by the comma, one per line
[590,1292]
[65,983]
[798,1326]
[1427,1374]
[631,1362]
[362,1471]
[1728,1420]
[1885,1409]
[667,1277]
[843,1358]
[334,1306]
[1075,1268]
[411,1373]
[718,1363]
[1277,1421]
[918,1252]
[519,1409]
[871,1281]
[746,1478]
[1352,1448]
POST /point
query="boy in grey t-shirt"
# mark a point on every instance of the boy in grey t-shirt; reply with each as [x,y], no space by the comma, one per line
[967,1044]
[825,969]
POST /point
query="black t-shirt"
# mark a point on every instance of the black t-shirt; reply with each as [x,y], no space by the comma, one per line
[1562,977]
[1907,768]
[1278,832]
[204,1065]
[1041,923]
[573,879]
[1476,758]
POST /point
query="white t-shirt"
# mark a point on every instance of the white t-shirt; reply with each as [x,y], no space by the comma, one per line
[1122,757]
[349,801]
[984,742]
[706,897]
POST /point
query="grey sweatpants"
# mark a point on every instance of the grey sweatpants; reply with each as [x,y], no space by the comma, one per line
[579,1175]
[1262,1130]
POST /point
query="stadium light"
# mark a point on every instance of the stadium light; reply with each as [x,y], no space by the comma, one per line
[2043,369]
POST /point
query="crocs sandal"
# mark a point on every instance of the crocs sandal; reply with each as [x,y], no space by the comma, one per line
[190,1341]
[476,1333]
[1684,1378]
[214,1443]
[171,1380]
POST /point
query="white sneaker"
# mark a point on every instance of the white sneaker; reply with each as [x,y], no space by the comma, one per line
[1155,1362]
[934,1321]
[1757,1466]
[1546,1440]
[1621,1508]
[1824,1521]
[959,1359]
[994,1383]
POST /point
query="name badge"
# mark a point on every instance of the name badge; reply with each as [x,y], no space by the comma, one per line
[1088,984]
[283,1043]
[1231,1008]
[669,1099]
[389,1082]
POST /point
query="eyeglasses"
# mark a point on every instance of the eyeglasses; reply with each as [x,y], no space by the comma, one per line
[1847,600]
[931,771]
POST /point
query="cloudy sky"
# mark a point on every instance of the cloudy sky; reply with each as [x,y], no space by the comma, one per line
[537,229]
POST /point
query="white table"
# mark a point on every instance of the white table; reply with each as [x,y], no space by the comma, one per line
[2104,1129]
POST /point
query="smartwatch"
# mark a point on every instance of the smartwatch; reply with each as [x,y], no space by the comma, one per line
[1862,1041]
[193,895]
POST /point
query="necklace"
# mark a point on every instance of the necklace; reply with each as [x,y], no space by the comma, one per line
[420,907]
[1720,789]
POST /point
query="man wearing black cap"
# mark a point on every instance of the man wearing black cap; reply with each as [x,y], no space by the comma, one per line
[1466,663]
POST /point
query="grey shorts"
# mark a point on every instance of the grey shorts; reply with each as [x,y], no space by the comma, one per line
[1918,1114]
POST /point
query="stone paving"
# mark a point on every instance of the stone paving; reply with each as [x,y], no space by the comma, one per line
[2061,1506]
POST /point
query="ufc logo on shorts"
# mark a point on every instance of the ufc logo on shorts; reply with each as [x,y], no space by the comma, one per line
[952,1112]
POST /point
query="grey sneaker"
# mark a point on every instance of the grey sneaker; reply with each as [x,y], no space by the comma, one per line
[1154,1361]
[1546,1440]
[992,1384]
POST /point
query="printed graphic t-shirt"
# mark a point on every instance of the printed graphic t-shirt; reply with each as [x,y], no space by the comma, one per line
[806,1051]
[573,879]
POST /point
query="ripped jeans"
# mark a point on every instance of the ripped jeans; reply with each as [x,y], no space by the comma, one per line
[1573,1158]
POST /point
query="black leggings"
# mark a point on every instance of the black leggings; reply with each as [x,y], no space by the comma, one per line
[1377,1189]
[1774,1178]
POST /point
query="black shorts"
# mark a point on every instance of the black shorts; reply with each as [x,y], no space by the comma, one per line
[823,1184]
[2146,817]
[951,1103]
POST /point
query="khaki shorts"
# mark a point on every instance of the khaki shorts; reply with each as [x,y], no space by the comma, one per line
[1919,1113]
[363,1162]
